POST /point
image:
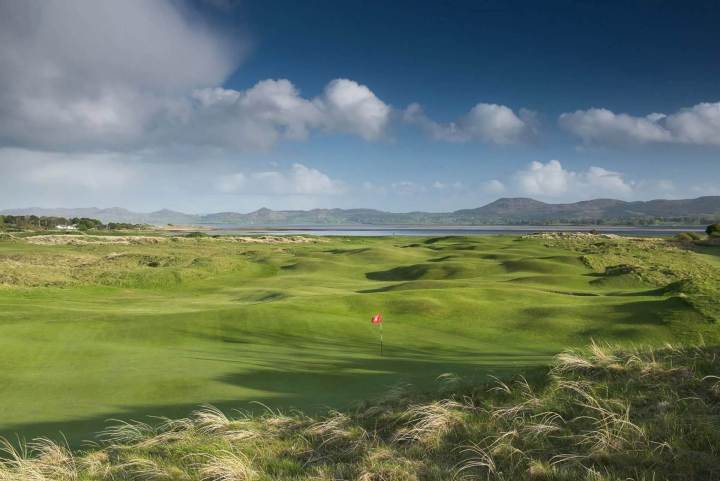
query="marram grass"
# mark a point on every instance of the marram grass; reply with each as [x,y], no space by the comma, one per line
[598,414]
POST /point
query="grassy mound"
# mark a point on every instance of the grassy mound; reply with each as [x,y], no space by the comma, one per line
[596,415]
[446,270]
[625,261]
[121,328]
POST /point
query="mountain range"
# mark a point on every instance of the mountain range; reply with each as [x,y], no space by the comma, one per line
[518,211]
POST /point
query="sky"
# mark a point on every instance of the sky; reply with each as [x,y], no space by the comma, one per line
[233,105]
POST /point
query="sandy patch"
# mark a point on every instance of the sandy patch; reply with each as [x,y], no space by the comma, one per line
[93,240]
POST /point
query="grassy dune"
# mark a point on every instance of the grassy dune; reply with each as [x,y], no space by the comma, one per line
[156,326]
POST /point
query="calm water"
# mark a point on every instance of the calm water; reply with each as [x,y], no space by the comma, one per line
[451,230]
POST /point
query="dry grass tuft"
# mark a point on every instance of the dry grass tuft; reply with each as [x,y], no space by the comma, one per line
[211,420]
[338,431]
[430,422]
[126,432]
[479,459]
[227,466]
[541,470]
[599,424]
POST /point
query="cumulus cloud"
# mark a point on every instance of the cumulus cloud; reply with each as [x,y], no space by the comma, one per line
[84,75]
[353,108]
[81,72]
[490,123]
[552,180]
[699,125]
[252,119]
[273,110]
[298,180]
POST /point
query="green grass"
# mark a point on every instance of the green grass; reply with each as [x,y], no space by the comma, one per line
[599,414]
[97,331]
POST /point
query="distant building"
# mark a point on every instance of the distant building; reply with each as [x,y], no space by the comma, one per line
[66,227]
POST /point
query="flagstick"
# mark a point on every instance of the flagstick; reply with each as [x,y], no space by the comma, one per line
[381,339]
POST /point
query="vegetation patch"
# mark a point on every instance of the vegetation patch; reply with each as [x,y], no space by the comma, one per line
[596,414]
[658,262]
[109,329]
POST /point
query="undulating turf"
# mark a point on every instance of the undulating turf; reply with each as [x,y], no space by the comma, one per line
[106,330]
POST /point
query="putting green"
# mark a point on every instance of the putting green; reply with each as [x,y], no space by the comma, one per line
[98,331]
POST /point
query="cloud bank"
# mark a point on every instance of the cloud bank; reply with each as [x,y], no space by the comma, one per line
[490,123]
[552,180]
[82,73]
[697,125]
[299,180]
[88,75]
[273,110]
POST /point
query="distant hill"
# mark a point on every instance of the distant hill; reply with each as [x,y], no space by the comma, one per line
[515,211]
[529,211]
[113,214]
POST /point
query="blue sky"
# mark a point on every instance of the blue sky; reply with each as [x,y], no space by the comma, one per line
[233,105]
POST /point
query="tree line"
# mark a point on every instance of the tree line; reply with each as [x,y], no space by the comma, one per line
[34,222]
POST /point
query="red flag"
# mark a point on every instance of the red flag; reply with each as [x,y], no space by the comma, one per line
[376,319]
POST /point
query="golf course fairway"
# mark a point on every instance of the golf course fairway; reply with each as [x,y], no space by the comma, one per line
[96,330]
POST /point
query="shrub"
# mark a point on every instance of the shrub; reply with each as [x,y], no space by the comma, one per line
[713,230]
[688,236]
[196,235]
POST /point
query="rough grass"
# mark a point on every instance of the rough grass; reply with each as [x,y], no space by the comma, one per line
[677,266]
[597,414]
[103,330]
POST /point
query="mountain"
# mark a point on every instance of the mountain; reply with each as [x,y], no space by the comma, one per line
[517,210]
[113,214]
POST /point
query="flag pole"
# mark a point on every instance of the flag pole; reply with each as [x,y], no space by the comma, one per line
[377,319]
[381,339]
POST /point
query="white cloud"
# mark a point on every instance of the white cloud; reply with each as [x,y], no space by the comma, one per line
[273,110]
[552,180]
[698,125]
[353,108]
[493,187]
[299,180]
[485,122]
[84,75]
[252,119]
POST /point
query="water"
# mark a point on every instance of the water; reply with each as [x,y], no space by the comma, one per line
[426,231]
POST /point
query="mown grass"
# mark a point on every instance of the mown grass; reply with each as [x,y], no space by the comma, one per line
[597,414]
[104,330]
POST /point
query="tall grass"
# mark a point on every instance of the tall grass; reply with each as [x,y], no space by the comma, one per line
[600,414]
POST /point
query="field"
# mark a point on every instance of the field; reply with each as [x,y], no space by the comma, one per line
[97,328]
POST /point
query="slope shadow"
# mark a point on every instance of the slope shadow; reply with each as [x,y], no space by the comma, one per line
[291,382]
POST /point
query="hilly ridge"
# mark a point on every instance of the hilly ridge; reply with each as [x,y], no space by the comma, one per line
[516,210]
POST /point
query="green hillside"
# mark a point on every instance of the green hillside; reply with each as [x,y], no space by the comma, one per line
[93,328]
